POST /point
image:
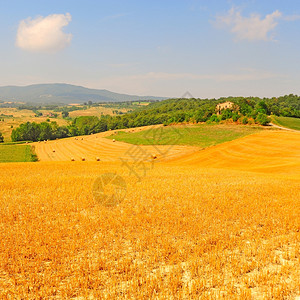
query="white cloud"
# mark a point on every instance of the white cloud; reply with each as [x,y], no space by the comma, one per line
[252,28]
[44,34]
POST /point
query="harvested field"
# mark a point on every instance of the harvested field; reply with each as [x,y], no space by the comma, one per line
[221,223]
[97,145]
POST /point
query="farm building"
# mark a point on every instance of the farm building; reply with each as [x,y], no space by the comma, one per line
[48,114]
[224,105]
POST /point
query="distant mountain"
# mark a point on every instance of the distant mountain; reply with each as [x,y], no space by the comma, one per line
[64,93]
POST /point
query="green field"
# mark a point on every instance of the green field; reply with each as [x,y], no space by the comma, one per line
[198,135]
[16,153]
[292,123]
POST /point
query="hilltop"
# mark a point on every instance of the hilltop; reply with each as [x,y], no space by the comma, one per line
[59,93]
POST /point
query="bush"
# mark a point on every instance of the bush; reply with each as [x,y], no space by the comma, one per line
[245,120]
[254,114]
[235,117]
[1,138]
[33,156]
[214,118]
[262,119]
[226,114]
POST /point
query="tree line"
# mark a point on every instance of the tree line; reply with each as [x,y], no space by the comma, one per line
[171,111]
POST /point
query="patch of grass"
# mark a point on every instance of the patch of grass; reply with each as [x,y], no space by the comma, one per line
[292,123]
[17,153]
[198,135]
[16,143]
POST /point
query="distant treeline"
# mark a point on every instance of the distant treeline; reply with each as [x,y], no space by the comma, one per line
[83,106]
[171,111]
[56,108]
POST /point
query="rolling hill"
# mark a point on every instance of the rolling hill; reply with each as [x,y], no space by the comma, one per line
[64,93]
[258,152]
[264,152]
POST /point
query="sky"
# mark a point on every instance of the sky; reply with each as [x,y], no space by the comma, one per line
[210,49]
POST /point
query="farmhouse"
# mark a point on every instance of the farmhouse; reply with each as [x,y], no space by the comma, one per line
[224,105]
[48,114]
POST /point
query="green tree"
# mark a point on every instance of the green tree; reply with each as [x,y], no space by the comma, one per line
[65,114]
[73,130]
[235,117]
[46,131]
[226,114]
[261,107]
[26,132]
[62,132]
[101,126]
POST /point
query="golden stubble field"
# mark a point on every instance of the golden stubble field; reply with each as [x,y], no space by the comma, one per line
[97,111]
[97,146]
[185,231]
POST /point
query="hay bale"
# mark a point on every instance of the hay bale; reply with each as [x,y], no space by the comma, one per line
[53,150]
[83,158]
[72,159]
[153,156]
[97,159]
[114,140]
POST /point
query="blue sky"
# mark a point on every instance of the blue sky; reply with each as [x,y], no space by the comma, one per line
[163,48]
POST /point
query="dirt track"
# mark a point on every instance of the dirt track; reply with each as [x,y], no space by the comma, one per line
[283,128]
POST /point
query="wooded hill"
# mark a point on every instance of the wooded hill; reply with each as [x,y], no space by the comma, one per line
[60,93]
